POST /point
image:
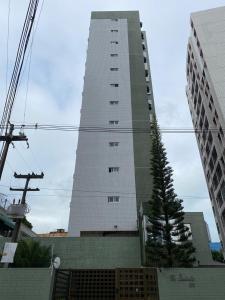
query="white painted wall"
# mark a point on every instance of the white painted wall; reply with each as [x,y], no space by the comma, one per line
[90,211]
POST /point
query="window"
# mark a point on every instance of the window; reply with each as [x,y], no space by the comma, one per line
[210,139]
[113,199]
[219,138]
[113,122]
[214,155]
[211,165]
[114,84]
[113,144]
[148,90]
[114,69]
[210,106]
[216,115]
[114,20]
[221,131]
[221,195]
[114,42]
[114,102]
[206,125]
[218,172]
[113,54]
[143,47]
[215,182]
[113,169]
[114,30]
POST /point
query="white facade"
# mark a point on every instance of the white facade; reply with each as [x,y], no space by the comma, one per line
[206,98]
[106,106]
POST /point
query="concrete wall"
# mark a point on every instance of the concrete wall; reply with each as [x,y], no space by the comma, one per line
[25,284]
[192,284]
[199,237]
[96,252]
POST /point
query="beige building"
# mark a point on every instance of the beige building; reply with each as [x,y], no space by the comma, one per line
[206,99]
[58,233]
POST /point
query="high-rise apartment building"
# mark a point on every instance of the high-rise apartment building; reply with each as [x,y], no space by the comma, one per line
[206,98]
[112,174]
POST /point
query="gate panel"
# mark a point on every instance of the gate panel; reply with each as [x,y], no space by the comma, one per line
[92,284]
[137,284]
[61,285]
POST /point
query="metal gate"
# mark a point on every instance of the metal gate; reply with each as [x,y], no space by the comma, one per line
[109,284]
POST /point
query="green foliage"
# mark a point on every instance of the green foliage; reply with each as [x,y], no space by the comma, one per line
[218,256]
[31,254]
[168,238]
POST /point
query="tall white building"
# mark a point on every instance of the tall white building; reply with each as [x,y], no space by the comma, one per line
[206,98]
[112,175]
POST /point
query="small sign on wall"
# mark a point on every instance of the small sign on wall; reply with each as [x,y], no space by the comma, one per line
[9,252]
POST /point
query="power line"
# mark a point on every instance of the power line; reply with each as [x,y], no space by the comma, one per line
[7,48]
[105,192]
[57,127]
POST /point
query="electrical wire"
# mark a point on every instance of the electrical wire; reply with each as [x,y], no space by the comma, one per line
[58,127]
[7,48]
[138,195]
[21,52]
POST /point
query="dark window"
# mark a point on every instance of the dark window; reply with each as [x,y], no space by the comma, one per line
[113,199]
[196,87]
[219,172]
[210,139]
[113,54]
[203,112]
[114,42]
[216,115]
[214,155]
[215,181]
[114,84]
[219,138]
[113,169]
[113,122]
[221,131]
[114,69]
[211,165]
[114,102]
[113,144]
[207,149]
[114,30]
[221,195]
[223,217]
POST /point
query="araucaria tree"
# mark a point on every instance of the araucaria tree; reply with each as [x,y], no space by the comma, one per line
[168,241]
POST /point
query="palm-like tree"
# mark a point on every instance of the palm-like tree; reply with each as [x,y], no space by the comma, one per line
[31,254]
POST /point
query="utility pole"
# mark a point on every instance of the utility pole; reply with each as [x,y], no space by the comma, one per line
[26,189]
[8,138]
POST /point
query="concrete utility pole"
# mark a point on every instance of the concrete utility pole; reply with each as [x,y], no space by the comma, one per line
[28,177]
[8,138]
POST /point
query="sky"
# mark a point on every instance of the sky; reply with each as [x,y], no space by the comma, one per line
[50,92]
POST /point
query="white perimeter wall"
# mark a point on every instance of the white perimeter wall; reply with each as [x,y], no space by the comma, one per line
[90,211]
